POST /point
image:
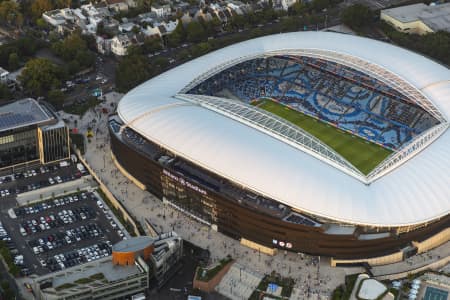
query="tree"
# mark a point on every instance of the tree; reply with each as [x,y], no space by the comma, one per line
[40,6]
[73,49]
[56,98]
[5,94]
[131,71]
[288,24]
[68,48]
[151,45]
[13,61]
[10,13]
[177,36]
[357,16]
[298,8]
[63,3]
[42,24]
[195,32]
[237,22]
[200,49]
[160,63]
[320,4]
[40,75]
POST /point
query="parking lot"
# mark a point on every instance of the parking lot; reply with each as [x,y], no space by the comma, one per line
[36,177]
[61,232]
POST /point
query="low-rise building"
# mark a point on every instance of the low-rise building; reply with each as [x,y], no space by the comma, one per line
[58,16]
[126,27]
[136,265]
[117,5]
[3,75]
[120,44]
[103,45]
[99,279]
[418,18]
[370,289]
[161,11]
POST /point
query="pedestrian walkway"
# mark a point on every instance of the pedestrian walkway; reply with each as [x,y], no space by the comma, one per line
[239,283]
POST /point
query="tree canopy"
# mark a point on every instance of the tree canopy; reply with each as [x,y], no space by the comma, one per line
[195,32]
[435,45]
[177,36]
[40,76]
[5,94]
[24,48]
[10,13]
[73,49]
[131,71]
[357,16]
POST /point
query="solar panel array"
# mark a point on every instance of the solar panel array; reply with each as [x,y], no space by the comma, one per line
[12,120]
[22,112]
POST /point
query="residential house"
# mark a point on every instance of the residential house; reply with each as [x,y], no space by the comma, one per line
[161,11]
[418,18]
[58,16]
[117,5]
[126,27]
[103,45]
[3,75]
[120,44]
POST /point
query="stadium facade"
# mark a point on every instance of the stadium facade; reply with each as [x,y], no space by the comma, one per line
[31,132]
[196,138]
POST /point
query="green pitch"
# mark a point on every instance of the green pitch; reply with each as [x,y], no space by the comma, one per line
[364,155]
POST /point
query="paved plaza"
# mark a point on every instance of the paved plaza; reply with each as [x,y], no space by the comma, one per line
[239,283]
[315,279]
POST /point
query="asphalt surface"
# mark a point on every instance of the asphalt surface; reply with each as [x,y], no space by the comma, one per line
[41,178]
[31,260]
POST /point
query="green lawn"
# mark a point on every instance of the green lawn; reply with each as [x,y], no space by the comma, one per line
[364,155]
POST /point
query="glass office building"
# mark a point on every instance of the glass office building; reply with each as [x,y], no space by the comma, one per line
[31,132]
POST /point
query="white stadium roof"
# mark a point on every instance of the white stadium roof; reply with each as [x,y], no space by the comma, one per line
[415,191]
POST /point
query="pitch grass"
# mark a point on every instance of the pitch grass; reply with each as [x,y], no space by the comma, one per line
[364,155]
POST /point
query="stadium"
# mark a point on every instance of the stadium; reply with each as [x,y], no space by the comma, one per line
[314,142]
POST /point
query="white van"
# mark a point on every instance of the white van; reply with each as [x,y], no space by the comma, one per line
[22,231]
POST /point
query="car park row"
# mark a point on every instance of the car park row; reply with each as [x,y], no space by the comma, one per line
[62,218]
[65,231]
[76,257]
[62,238]
[15,254]
[42,206]
[42,181]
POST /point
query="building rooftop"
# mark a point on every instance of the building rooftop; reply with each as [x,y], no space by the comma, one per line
[21,113]
[3,71]
[133,244]
[104,266]
[371,289]
[437,17]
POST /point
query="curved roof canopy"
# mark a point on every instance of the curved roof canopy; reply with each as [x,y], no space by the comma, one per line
[414,180]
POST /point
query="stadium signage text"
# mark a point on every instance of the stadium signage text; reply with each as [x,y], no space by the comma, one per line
[185,183]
